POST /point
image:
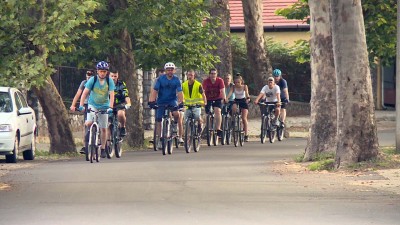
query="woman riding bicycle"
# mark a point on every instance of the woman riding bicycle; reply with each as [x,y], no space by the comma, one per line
[242,98]
[272,94]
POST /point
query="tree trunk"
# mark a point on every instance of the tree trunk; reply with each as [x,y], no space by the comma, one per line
[398,81]
[257,55]
[124,61]
[221,9]
[323,129]
[61,138]
[357,134]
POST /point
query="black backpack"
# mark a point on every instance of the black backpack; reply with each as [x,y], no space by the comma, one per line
[95,79]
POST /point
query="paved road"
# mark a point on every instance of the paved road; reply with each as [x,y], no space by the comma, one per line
[218,185]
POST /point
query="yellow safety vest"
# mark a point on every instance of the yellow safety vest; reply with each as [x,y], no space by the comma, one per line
[196,98]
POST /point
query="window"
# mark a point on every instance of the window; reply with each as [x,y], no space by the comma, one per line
[5,102]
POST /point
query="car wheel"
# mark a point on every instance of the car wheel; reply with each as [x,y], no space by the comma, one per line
[12,158]
[30,153]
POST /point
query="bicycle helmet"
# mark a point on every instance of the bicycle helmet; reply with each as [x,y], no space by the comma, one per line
[276,72]
[169,65]
[102,66]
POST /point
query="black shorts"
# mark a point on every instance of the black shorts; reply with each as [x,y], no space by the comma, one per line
[283,103]
[213,103]
[242,103]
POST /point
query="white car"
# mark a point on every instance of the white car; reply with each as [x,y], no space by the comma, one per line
[17,126]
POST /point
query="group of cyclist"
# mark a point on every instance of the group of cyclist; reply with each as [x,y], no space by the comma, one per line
[102,92]
[212,92]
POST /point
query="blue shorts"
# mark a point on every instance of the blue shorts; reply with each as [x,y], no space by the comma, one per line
[161,109]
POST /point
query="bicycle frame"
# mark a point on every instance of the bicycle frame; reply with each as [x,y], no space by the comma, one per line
[97,135]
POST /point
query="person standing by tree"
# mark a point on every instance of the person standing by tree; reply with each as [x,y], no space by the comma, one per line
[100,89]
[121,97]
[78,94]
[215,92]
[284,92]
[193,94]
[167,92]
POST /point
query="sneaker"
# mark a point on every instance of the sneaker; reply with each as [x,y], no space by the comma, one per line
[82,151]
[180,140]
[246,138]
[103,153]
[122,131]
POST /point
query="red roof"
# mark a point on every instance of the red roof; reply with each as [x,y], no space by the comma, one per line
[270,20]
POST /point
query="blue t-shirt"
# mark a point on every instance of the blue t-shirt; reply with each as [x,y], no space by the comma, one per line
[167,90]
[282,85]
[99,96]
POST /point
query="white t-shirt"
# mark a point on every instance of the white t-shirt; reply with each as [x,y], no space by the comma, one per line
[270,94]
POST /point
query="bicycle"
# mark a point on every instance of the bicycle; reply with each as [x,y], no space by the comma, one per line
[93,151]
[115,139]
[238,133]
[168,134]
[267,123]
[210,127]
[192,135]
[226,125]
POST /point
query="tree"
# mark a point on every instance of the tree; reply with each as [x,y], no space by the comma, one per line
[29,35]
[258,57]
[357,134]
[220,9]
[323,83]
[398,80]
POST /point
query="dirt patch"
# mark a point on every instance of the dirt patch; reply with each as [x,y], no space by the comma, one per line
[387,180]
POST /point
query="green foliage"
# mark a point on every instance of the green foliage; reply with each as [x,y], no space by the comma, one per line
[379,21]
[327,164]
[31,32]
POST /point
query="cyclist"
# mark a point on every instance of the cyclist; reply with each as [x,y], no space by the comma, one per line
[228,86]
[167,91]
[78,94]
[284,92]
[100,89]
[242,98]
[193,94]
[272,93]
[215,92]
[121,97]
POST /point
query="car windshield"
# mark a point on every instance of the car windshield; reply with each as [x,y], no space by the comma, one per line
[5,102]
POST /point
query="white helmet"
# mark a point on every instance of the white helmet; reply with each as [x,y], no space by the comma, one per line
[169,65]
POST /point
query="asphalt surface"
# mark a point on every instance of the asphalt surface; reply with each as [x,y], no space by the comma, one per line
[253,184]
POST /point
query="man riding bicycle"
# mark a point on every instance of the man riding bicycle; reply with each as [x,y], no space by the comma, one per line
[272,93]
[100,89]
[168,92]
[284,92]
[193,94]
[120,97]
[215,92]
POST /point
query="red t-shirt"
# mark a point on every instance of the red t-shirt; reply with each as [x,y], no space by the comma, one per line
[213,90]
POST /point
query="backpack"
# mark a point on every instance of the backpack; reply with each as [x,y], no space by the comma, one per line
[95,79]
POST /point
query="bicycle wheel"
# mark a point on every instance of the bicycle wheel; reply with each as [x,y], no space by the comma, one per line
[280,130]
[240,130]
[97,154]
[170,146]
[188,135]
[117,144]
[176,142]
[271,131]
[235,131]
[164,137]
[223,128]
[228,134]
[110,143]
[215,137]
[209,129]
[93,145]
[263,129]
[155,138]
[196,137]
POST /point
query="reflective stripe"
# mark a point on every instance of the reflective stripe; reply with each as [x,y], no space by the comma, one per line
[196,97]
